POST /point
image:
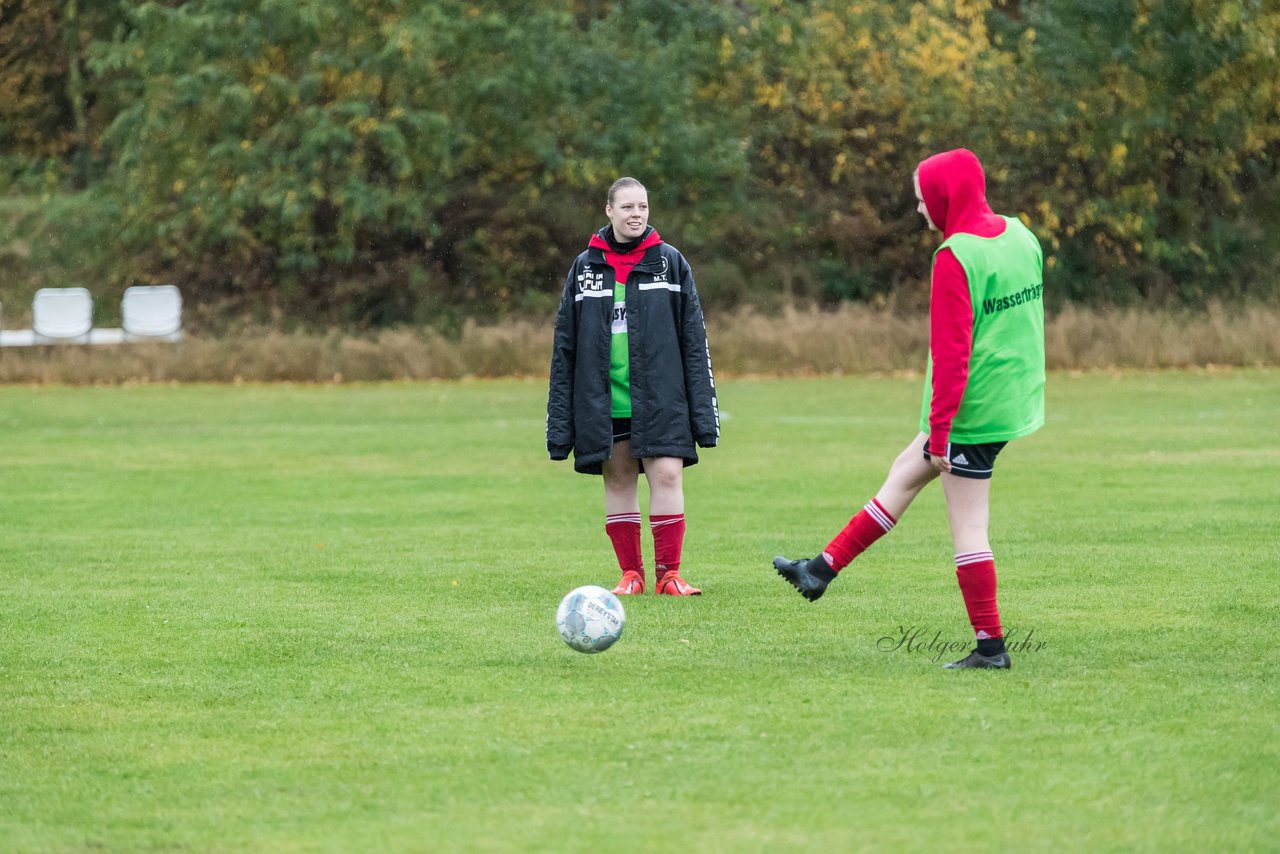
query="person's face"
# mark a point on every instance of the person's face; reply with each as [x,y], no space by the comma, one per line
[924,211]
[629,213]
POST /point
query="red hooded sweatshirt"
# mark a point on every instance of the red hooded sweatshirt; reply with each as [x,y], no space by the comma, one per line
[954,189]
[622,261]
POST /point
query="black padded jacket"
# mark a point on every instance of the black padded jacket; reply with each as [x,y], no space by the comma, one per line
[673,394]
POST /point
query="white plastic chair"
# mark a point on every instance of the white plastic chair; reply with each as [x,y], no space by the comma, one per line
[62,315]
[152,313]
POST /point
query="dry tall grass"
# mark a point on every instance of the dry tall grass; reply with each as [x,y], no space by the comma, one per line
[1086,339]
[851,339]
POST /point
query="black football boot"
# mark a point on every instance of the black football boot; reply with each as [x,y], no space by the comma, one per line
[808,575]
[976,660]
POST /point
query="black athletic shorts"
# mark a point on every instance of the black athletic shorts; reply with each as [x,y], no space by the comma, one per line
[621,430]
[622,433]
[972,461]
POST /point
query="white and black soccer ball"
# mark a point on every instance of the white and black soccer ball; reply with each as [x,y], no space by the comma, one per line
[590,619]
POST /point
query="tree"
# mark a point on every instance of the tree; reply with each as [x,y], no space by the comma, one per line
[49,110]
[1153,131]
[845,100]
[381,160]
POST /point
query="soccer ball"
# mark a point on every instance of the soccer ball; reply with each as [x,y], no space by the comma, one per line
[590,619]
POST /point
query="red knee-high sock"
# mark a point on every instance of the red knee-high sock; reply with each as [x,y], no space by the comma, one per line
[976,572]
[668,542]
[624,531]
[870,524]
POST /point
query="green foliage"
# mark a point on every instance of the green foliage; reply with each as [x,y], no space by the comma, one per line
[1165,119]
[30,64]
[50,113]
[842,100]
[54,227]
[271,147]
[368,163]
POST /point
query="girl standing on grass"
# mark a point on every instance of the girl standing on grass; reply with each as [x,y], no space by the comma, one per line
[984,388]
[631,387]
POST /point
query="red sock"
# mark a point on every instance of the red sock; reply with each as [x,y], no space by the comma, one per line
[976,572]
[668,541]
[624,530]
[870,524]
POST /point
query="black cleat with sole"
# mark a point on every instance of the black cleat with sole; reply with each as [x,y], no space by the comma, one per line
[808,575]
[977,661]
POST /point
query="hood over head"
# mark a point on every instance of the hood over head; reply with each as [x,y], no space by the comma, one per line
[954,189]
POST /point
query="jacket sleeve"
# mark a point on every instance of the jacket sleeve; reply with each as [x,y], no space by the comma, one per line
[950,345]
[700,384]
[560,391]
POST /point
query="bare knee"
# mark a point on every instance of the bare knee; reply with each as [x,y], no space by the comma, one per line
[621,470]
[664,473]
[911,472]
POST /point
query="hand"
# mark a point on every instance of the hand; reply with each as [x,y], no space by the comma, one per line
[942,464]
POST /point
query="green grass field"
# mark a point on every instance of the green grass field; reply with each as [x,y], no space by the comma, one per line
[290,618]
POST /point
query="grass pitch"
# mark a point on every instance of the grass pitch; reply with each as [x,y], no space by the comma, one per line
[320,618]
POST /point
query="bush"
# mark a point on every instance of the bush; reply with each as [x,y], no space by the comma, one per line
[378,163]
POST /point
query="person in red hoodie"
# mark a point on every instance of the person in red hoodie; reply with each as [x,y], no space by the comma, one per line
[984,387]
[631,388]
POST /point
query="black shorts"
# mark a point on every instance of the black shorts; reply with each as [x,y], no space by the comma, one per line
[622,433]
[621,430]
[972,461]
